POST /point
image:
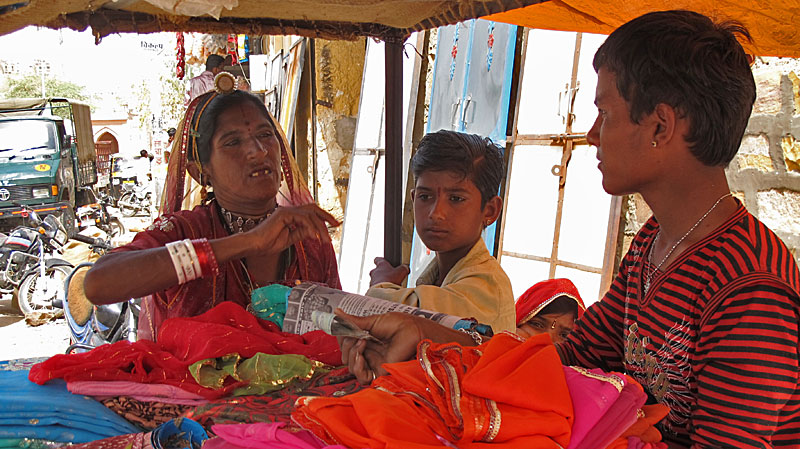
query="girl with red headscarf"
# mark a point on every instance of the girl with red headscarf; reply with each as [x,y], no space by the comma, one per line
[549,307]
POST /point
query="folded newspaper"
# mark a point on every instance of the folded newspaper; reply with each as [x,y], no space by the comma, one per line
[306,298]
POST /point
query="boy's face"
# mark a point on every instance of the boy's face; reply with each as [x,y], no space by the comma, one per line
[448,213]
[623,146]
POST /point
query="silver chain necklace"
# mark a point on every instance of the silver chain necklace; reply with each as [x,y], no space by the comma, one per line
[648,274]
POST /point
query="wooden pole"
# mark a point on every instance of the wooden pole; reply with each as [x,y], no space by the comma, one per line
[393,206]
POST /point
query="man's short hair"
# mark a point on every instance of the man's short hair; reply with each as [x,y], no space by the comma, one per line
[214,61]
[685,60]
[474,157]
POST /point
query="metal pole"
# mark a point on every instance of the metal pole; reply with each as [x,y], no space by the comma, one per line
[393,207]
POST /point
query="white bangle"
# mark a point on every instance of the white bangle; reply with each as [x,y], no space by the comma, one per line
[176,261]
[195,260]
[184,260]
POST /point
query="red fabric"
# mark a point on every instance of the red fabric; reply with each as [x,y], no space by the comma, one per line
[225,329]
[312,261]
[541,294]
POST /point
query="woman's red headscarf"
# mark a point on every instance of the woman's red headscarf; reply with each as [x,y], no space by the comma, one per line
[541,294]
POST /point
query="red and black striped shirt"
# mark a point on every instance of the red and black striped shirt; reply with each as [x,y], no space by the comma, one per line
[715,338]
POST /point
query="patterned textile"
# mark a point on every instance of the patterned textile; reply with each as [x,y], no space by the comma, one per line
[276,406]
[715,339]
[147,415]
[508,392]
[225,329]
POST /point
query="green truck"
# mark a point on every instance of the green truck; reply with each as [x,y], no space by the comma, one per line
[47,158]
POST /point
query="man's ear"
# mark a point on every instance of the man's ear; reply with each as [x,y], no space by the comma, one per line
[492,210]
[665,118]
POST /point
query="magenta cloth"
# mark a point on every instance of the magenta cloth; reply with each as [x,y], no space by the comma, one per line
[620,416]
[592,396]
[263,436]
[168,394]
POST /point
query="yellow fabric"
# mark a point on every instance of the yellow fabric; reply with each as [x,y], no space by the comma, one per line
[772,23]
[476,287]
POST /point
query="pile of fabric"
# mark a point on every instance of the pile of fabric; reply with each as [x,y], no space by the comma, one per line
[250,385]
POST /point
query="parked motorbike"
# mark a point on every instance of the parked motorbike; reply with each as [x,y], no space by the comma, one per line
[90,325]
[101,214]
[31,269]
[135,199]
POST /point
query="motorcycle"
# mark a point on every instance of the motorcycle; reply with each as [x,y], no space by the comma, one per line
[101,214]
[31,270]
[135,199]
[90,325]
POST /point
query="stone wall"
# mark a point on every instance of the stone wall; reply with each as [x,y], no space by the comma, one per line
[765,175]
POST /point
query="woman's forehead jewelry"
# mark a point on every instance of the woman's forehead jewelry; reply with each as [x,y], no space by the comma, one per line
[224,83]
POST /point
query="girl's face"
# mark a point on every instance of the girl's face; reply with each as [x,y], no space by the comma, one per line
[558,325]
[245,166]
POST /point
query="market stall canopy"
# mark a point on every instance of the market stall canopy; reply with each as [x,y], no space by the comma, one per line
[772,23]
[330,19]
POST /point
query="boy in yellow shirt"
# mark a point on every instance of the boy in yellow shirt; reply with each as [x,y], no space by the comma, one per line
[457,177]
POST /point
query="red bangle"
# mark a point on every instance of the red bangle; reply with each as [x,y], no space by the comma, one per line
[206,257]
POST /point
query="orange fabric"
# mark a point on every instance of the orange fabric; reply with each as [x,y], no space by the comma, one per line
[772,23]
[509,392]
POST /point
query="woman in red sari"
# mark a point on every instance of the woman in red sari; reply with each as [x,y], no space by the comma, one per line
[258,226]
[549,307]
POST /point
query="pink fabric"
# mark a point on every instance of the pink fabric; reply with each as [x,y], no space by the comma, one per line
[263,436]
[168,394]
[591,399]
[619,417]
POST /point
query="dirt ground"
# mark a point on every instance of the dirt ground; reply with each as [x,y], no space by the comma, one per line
[19,340]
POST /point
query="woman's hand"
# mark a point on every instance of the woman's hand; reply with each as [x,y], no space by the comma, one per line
[386,272]
[400,334]
[289,225]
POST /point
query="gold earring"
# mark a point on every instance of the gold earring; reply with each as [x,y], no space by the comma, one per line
[553,326]
[654,144]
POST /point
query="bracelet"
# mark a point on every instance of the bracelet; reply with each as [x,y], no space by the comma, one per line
[476,337]
[198,269]
[182,261]
[206,258]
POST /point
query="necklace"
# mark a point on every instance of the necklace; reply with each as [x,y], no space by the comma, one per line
[237,224]
[649,273]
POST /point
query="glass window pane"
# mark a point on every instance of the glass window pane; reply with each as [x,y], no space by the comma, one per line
[548,70]
[588,284]
[585,110]
[524,272]
[532,200]
[584,222]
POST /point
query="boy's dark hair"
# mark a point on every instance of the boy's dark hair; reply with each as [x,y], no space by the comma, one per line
[214,61]
[685,60]
[474,157]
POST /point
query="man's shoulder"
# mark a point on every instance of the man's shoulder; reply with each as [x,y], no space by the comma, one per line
[754,248]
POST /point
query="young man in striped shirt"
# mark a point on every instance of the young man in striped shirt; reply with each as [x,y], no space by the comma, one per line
[705,309]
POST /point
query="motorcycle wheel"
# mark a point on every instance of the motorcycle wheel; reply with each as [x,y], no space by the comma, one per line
[127,205]
[29,300]
[115,228]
